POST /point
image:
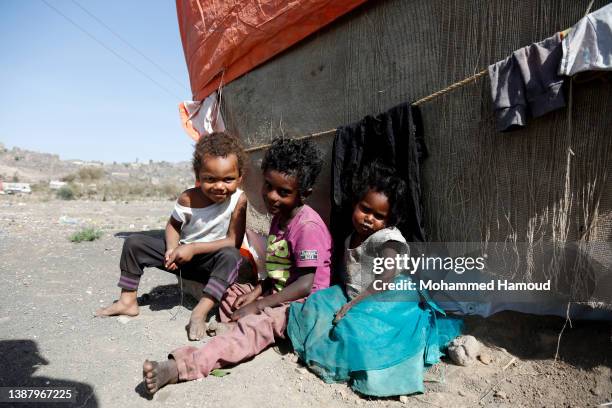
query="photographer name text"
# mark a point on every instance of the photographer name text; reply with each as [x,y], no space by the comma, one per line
[492,285]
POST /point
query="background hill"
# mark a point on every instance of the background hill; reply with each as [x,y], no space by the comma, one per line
[94,179]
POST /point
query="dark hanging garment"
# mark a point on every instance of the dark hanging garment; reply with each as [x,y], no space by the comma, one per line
[394,137]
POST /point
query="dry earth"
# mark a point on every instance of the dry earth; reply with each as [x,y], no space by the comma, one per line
[48,337]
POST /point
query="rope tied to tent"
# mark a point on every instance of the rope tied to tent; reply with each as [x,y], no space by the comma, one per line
[309,136]
[452,87]
[426,99]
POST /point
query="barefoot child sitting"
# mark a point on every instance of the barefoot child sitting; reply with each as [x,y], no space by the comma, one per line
[298,257]
[202,235]
[378,340]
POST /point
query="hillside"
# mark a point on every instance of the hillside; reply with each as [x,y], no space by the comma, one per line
[20,165]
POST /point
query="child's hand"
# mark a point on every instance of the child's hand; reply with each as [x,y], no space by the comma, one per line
[171,266]
[252,308]
[342,312]
[180,255]
[245,299]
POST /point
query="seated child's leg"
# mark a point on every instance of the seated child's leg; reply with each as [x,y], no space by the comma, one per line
[221,267]
[139,251]
[228,299]
[224,320]
[252,335]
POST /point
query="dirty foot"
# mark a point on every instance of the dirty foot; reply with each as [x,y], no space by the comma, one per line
[118,308]
[155,375]
[196,329]
[217,328]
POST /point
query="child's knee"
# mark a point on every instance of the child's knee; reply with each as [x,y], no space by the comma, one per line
[230,255]
[133,243]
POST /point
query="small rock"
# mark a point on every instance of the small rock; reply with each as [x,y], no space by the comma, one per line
[123,319]
[595,391]
[112,338]
[463,350]
[500,394]
[404,399]
[300,370]
[291,357]
[485,358]
[88,292]
[461,393]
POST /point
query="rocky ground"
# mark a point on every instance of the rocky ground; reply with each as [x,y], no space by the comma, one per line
[48,337]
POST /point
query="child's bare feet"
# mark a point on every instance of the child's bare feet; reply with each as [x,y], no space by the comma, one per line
[196,329]
[155,375]
[126,305]
[217,328]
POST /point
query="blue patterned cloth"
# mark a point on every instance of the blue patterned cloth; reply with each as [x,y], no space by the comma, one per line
[383,344]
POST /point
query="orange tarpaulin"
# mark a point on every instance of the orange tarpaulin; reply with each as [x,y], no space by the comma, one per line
[227,38]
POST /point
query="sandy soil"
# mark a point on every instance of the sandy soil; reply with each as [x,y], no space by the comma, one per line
[48,337]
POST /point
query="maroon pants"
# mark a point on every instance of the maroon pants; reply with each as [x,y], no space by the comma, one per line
[252,335]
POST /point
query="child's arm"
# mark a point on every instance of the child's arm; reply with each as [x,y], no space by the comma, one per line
[235,235]
[173,234]
[386,276]
[298,289]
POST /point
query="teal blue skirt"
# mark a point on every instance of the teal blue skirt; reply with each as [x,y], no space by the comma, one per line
[383,344]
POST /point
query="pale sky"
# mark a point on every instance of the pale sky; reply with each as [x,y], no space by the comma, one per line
[64,92]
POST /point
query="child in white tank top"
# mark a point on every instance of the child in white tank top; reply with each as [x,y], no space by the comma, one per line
[202,236]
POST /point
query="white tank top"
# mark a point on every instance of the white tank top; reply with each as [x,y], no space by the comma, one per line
[205,224]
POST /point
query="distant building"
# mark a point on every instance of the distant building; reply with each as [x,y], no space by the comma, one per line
[87,163]
[56,184]
[120,175]
[12,188]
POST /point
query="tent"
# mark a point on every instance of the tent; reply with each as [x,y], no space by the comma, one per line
[549,182]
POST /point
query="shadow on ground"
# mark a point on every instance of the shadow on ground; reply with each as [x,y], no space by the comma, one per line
[166,297]
[586,344]
[20,360]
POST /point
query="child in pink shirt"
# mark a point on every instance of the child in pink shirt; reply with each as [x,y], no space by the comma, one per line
[298,257]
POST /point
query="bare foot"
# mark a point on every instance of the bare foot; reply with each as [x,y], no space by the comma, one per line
[118,308]
[196,329]
[155,375]
[217,328]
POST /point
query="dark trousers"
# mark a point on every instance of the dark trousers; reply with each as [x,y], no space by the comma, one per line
[216,270]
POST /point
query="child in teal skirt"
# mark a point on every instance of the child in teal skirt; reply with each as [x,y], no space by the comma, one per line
[379,341]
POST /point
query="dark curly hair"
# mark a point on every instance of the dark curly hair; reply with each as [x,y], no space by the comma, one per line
[381,178]
[295,157]
[218,144]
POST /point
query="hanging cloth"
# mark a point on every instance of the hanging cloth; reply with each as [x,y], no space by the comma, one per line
[395,138]
[526,84]
[201,118]
[588,45]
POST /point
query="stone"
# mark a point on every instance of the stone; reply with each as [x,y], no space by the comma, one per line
[485,358]
[123,319]
[500,394]
[404,399]
[463,350]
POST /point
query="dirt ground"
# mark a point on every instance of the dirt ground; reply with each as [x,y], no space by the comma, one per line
[48,336]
